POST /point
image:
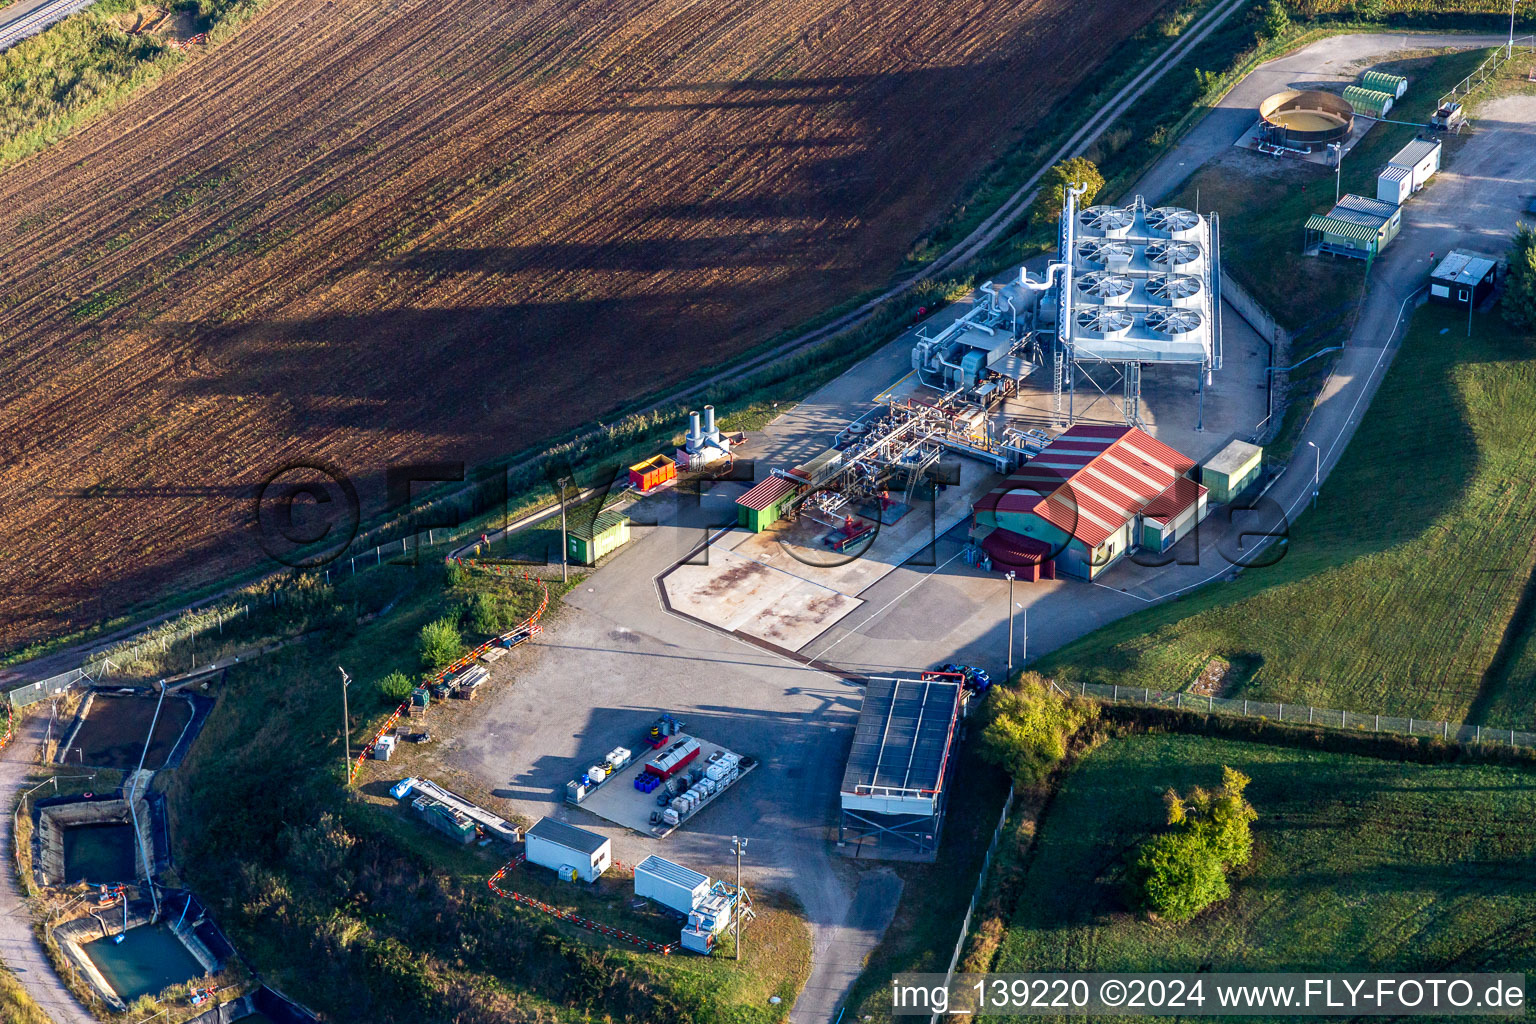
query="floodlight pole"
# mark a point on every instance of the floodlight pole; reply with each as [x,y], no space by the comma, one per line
[565,540]
[1511,54]
[1317,471]
[1010,578]
[346,727]
[133,796]
[740,844]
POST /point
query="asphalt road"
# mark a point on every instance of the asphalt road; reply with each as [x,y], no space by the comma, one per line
[19,946]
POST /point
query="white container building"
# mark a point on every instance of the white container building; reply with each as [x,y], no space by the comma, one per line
[554,845]
[670,884]
[1408,171]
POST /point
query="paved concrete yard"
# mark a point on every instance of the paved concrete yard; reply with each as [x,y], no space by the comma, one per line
[783,587]
[621,803]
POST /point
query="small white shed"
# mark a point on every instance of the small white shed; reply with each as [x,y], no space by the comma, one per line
[554,845]
[670,884]
[1394,184]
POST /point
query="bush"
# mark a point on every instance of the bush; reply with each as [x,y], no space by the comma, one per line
[1179,873]
[439,643]
[1519,301]
[453,574]
[1028,726]
[1176,876]
[395,688]
[1053,188]
[484,613]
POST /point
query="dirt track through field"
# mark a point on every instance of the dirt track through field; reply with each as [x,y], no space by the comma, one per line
[383,233]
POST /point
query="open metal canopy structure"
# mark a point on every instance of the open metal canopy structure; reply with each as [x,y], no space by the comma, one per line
[895,783]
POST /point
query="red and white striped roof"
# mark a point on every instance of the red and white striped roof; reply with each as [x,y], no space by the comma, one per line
[1090,481]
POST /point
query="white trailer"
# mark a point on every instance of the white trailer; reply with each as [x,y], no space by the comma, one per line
[670,884]
[555,845]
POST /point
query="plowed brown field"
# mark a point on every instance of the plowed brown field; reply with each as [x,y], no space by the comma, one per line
[371,232]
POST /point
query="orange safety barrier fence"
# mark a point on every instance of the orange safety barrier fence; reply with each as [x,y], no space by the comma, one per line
[665,949]
[525,630]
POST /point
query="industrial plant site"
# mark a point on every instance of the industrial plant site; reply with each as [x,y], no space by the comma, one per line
[808,513]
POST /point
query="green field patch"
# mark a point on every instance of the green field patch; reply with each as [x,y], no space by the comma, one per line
[1359,864]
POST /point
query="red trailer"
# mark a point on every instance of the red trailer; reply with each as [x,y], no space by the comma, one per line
[674,759]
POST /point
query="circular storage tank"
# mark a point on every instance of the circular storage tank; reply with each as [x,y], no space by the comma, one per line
[1307,118]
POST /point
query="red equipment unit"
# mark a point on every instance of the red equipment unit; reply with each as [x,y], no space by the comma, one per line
[674,759]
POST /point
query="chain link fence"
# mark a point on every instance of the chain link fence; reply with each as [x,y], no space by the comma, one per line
[101,664]
[1303,714]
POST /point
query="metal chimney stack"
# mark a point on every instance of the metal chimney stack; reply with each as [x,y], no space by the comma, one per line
[709,423]
[695,435]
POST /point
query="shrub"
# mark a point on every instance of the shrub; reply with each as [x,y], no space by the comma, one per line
[1179,873]
[1028,726]
[484,613]
[395,688]
[1519,301]
[439,643]
[1176,876]
[1053,188]
[453,574]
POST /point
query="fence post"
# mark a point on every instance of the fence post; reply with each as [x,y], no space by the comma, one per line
[1479,734]
[1117,692]
[1309,714]
[1378,724]
[1410,725]
[1282,712]
[1210,703]
[1445,730]
[1178,700]
[1245,705]
[1146,695]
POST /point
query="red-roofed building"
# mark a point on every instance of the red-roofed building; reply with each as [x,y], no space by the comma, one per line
[1083,496]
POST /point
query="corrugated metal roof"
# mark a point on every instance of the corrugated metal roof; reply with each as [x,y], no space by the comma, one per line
[1368,100]
[1366,205]
[568,836]
[1175,501]
[765,492]
[1392,172]
[1461,267]
[1348,229]
[1415,151]
[903,735]
[672,872]
[1373,79]
[1090,481]
[600,524]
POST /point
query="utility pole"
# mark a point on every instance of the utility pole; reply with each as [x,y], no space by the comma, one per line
[740,844]
[1511,54]
[346,727]
[565,540]
[1010,578]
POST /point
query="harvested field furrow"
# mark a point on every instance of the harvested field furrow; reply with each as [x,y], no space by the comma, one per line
[371,233]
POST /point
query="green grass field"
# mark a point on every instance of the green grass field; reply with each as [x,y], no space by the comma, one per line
[1359,864]
[1399,590]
